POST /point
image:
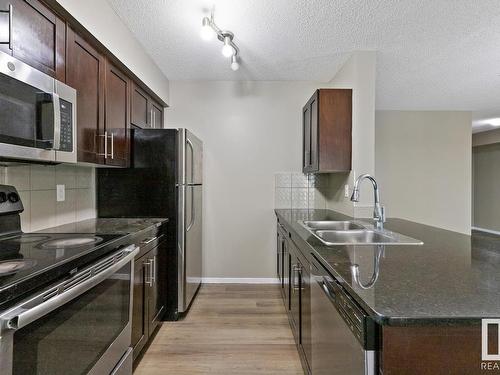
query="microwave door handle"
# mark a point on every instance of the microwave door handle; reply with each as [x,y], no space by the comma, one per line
[21,316]
[57,121]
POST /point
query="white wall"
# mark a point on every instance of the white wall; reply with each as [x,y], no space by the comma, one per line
[423,166]
[102,21]
[250,130]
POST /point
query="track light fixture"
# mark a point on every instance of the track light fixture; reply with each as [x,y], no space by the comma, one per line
[229,48]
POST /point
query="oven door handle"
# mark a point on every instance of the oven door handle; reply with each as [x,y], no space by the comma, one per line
[51,298]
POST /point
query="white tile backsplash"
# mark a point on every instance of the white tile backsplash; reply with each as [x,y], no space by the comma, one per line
[18,176]
[300,198]
[43,209]
[43,177]
[283,180]
[299,180]
[37,186]
[283,198]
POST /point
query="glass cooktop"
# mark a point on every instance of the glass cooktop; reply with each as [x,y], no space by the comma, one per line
[25,255]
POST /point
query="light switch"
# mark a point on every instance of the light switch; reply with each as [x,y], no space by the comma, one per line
[61,193]
[346,191]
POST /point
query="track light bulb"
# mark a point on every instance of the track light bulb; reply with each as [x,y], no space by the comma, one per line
[206,31]
[235,65]
[227,49]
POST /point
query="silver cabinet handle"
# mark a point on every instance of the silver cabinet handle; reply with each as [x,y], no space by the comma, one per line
[112,146]
[149,278]
[149,240]
[154,119]
[11,19]
[56,296]
[296,269]
[105,135]
[153,270]
[56,103]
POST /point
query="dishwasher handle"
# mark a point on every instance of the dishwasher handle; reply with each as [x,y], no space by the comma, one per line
[330,293]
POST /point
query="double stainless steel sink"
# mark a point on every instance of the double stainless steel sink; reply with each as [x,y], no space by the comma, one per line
[355,233]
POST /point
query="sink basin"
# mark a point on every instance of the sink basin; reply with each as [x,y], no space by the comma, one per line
[363,237]
[333,225]
[355,237]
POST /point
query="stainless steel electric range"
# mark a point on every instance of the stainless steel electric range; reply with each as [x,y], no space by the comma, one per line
[65,299]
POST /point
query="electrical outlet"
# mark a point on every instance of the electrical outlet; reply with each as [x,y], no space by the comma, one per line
[346,191]
[61,193]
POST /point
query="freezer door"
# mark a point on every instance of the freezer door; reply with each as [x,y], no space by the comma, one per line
[190,158]
[190,245]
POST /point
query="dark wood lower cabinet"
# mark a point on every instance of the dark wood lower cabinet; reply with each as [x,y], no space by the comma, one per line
[294,274]
[147,303]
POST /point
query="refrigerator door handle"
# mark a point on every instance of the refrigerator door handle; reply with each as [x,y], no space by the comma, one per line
[190,144]
[193,211]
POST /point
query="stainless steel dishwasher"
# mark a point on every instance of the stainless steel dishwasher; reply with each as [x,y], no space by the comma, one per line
[343,336]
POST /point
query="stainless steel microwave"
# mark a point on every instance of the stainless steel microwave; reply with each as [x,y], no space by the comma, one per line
[37,114]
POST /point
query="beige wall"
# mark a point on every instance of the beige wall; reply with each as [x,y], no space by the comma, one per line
[37,187]
[102,21]
[358,73]
[250,130]
[423,166]
[486,183]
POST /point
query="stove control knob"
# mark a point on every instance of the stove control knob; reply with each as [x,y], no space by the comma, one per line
[13,197]
[3,197]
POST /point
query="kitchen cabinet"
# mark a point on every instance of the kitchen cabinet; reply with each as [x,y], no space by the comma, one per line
[327,131]
[145,111]
[32,33]
[148,305]
[116,124]
[85,72]
[300,303]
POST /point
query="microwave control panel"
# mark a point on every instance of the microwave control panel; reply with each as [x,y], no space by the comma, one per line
[66,126]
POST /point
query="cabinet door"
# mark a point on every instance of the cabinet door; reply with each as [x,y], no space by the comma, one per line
[155,306]
[117,117]
[141,114]
[279,257]
[305,311]
[85,73]
[157,116]
[295,283]
[35,36]
[314,148]
[306,138]
[286,275]
[139,308]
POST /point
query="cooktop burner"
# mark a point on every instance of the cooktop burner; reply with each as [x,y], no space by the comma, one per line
[64,243]
[9,267]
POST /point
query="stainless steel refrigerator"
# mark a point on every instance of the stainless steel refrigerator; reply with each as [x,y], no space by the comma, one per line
[190,208]
[165,180]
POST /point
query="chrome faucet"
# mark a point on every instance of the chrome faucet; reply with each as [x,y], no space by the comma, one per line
[378,210]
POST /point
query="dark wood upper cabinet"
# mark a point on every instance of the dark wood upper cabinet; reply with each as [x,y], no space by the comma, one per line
[157,113]
[140,114]
[117,121]
[85,72]
[327,131]
[32,33]
[145,111]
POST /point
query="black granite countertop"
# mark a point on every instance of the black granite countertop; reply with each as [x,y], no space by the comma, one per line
[451,278]
[50,264]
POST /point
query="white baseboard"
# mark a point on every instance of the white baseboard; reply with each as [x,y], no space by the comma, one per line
[240,280]
[486,230]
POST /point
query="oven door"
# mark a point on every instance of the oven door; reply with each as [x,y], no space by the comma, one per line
[36,113]
[79,326]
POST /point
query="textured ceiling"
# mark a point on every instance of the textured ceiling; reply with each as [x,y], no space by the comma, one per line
[431,54]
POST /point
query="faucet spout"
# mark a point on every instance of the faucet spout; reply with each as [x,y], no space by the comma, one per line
[378,210]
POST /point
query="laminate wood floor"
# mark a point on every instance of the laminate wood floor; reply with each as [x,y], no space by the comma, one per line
[230,329]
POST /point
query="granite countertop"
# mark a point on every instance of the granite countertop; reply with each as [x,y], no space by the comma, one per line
[51,264]
[451,278]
